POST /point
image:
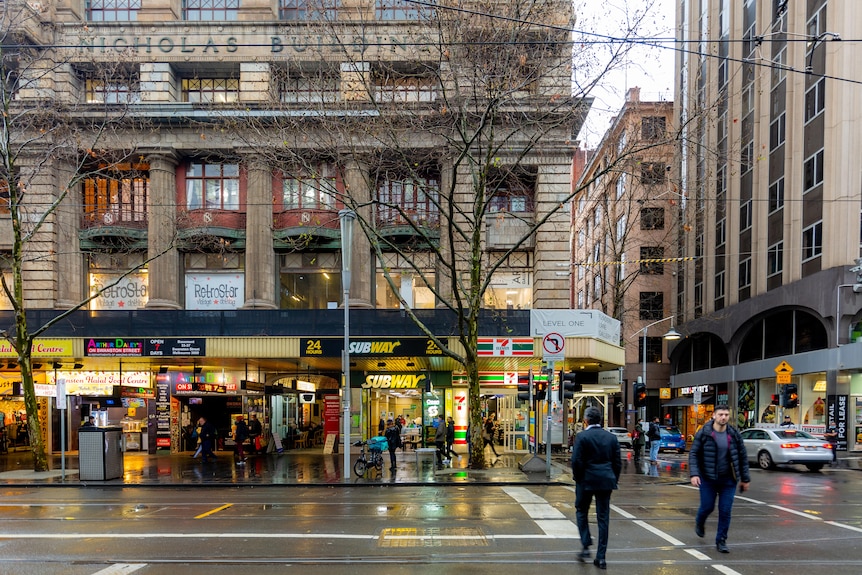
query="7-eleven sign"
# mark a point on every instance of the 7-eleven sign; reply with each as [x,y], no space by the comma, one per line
[505,346]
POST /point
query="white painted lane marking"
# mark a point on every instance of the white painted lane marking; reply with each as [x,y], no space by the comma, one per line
[183,535]
[725,569]
[843,526]
[542,511]
[656,531]
[523,495]
[697,554]
[799,513]
[121,569]
[559,529]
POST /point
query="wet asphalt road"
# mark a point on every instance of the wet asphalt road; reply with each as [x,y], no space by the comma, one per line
[792,521]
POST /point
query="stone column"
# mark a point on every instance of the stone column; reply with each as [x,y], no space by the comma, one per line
[259,253]
[164,281]
[71,271]
[444,269]
[364,262]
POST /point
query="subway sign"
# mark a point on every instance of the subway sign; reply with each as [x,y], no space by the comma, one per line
[371,347]
[394,381]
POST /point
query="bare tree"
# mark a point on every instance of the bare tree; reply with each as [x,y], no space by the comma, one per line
[453,134]
[60,111]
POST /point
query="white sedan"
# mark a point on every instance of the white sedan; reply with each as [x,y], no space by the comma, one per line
[624,437]
[768,447]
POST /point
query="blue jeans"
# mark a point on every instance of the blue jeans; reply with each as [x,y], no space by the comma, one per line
[653,449]
[724,489]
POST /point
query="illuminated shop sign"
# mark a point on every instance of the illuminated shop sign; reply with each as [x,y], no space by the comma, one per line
[154,347]
[130,292]
[376,347]
[76,379]
[215,291]
[394,381]
[41,348]
[691,390]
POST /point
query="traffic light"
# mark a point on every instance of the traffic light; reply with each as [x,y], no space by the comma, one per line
[640,394]
[789,396]
[569,385]
[541,389]
[525,382]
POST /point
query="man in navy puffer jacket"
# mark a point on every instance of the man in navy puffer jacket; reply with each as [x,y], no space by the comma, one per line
[718,461]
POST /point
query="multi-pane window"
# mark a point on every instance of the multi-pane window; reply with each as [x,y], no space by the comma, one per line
[775,259]
[308,10]
[776,195]
[112,92]
[745,273]
[397,88]
[812,241]
[652,218]
[651,305]
[621,186]
[212,186]
[206,10]
[653,349]
[401,10]
[719,284]
[746,156]
[5,199]
[116,194]
[510,192]
[745,215]
[210,90]
[777,132]
[622,225]
[720,232]
[310,188]
[651,260]
[814,99]
[314,88]
[653,127]
[653,173]
[113,10]
[408,198]
[812,171]
[779,67]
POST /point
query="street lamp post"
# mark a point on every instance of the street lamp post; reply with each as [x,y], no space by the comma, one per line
[346,218]
[671,335]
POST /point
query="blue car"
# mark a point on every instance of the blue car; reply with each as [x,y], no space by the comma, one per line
[671,439]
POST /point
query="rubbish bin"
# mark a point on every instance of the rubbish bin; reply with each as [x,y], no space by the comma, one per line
[100,453]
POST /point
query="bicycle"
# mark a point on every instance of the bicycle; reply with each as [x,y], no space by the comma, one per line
[363,463]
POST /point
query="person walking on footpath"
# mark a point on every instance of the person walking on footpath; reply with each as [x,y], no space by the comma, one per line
[207,436]
[240,434]
[654,435]
[638,440]
[596,466]
[717,461]
[440,442]
[831,436]
[488,435]
[393,441]
[255,433]
[450,439]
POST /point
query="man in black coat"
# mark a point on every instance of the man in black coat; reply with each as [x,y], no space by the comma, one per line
[596,467]
[717,461]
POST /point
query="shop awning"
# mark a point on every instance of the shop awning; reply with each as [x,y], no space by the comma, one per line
[686,401]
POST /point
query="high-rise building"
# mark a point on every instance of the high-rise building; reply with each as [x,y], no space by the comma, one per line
[767,100]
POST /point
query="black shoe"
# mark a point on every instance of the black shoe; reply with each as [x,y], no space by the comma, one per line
[699,529]
[600,563]
[721,545]
[584,555]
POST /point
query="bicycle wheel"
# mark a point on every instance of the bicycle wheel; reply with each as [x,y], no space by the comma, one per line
[360,467]
[378,461]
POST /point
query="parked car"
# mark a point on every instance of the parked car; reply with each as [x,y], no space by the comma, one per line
[769,447]
[623,436]
[671,439]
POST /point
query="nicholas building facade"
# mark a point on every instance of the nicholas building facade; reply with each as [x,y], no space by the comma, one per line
[770,301]
[231,133]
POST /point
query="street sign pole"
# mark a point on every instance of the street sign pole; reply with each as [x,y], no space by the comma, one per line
[548,424]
